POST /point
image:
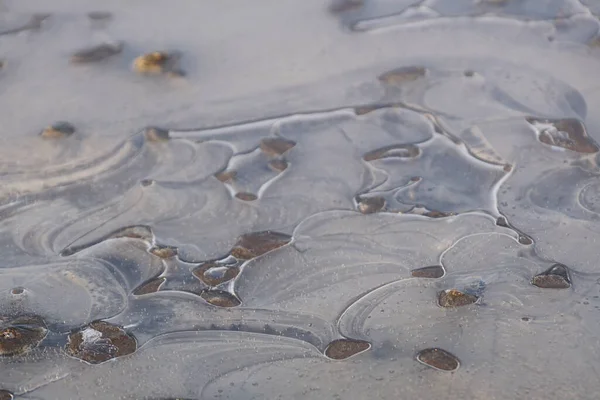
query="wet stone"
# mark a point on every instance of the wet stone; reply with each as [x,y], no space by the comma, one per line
[220,298]
[157,62]
[96,53]
[151,286]
[469,73]
[400,151]
[214,274]
[58,130]
[435,271]
[6,395]
[341,349]
[21,334]
[245,196]
[278,165]
[99,342]
[438,359]
[276,146]
[258,243]
[164,251]
[154,134]
[455,298]
[225,176]
[402,75]
[555,277]
[567,133]
[370,205]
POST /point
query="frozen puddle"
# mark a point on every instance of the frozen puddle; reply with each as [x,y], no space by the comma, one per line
[299,199]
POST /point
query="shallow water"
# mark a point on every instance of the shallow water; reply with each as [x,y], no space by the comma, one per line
[309,200]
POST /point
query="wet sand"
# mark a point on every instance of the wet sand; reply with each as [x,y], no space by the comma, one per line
[299,199]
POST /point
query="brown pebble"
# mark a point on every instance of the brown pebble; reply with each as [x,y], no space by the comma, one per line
[151,286]
[341,349]
[568,133]
[154,134]
[402,75]
[220,298]
[17,290]
[435,271]
[276,146]
[20,335]
[256,244]
[555,277]
[370,205]
[6,395]
[401,151]
[278,165]
[164,251]
[245,196]
[438,359]
[201,273]
[225,176]
[58,130]
[99,342]
[340,6]
[96,53]
[437,214]
[455,298]
[155,63]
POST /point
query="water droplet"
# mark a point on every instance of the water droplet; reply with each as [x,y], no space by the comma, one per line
[341,349]
[99,342]
[455,298]
[435,271]
[258,243]
[21,334]
[438,359]
[555,277]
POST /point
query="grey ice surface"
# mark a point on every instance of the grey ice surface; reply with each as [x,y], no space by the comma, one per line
[474,123]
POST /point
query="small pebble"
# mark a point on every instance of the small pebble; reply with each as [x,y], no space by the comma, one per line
[455,298]
[438,359]
[343,348]
[555,277]
[58,130]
